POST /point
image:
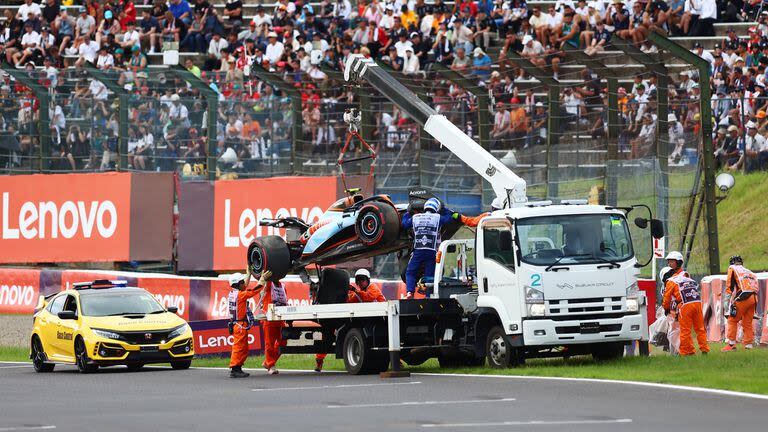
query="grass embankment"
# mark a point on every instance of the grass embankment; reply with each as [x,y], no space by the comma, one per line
[738,371]
[742,222]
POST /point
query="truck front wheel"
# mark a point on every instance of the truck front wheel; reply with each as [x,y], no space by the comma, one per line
[359,358]
[500,352]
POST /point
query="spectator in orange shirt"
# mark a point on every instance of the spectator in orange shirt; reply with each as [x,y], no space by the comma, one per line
[519,123]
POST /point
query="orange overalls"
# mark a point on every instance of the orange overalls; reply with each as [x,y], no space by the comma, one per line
[273,333]
[741,280]
[371,295]
[238,307]
[686,293]
[474,220]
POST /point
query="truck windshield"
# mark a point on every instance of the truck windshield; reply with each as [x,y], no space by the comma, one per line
[574,239]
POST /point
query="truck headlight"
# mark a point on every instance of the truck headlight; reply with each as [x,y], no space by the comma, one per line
[105,334]
[536,309]
[632,293]
[533,296]
[178,331]
[632,305]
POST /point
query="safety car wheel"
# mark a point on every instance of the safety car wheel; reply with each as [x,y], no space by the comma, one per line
[359,358]
[269,253]
[182,364]
[81,358]
[500,352]
[377,223]
[39,358]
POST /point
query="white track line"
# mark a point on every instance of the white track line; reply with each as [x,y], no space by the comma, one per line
[609,381]
[14,367]
[421,403]
[27,428]
[527,423]
[336,386]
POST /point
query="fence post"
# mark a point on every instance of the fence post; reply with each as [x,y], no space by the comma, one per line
[212,100]
[44,117]
[277,82]
[122,127]
[705,108]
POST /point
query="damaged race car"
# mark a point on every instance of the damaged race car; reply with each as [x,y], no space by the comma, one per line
[352,228]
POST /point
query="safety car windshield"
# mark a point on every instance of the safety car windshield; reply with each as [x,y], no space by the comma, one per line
[123,303]
[574,239]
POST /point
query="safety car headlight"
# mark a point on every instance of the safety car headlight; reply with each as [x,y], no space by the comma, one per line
[178,331]
[105,334]
[533,296]
[536,309]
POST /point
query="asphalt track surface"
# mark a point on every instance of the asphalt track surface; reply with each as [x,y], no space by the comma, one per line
[160,399]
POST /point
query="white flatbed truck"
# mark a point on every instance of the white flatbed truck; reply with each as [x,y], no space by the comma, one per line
[538,279]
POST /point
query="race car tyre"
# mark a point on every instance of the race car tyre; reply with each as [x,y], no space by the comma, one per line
[500,352]
[359,358]
[135,367]
[608,351]
[377,224]
[181,364]
[81,358]
[269,253]
[39,358]
[334,286]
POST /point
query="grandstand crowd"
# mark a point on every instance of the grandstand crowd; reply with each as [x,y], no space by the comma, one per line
[304,42]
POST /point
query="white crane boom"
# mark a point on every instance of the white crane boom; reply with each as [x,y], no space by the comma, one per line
[508,186]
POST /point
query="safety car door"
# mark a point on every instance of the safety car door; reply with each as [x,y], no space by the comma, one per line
[65,335]
[50,328]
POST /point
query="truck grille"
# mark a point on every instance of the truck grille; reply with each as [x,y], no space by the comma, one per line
[584,306]
[577,330]
[140,337]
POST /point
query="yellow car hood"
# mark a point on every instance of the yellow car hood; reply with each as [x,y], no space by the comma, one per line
[148,322]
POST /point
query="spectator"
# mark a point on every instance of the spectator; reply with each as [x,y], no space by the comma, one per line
[460,62]
[481,64]
[85,25]
[66,28]
[30,44]
[149,30]
[87,51]
[180,10]
[274,49]
[131,37]
[233,10]
[28,10]
[501,126]
[410,62]
[174,29]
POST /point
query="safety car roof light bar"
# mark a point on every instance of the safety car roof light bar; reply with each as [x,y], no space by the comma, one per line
[100,284]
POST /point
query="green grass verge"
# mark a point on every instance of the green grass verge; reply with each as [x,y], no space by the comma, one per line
[736,371]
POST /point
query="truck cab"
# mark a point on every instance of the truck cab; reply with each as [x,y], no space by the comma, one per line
[549,276]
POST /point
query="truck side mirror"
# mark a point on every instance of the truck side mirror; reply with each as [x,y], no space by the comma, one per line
[641,223]
[505,240]
[657,229]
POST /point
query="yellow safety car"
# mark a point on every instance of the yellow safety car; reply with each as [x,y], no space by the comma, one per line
[107,323]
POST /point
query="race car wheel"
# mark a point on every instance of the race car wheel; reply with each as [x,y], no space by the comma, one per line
[81,358]
[269,253]
[377,223]
[39,358]
[181,364]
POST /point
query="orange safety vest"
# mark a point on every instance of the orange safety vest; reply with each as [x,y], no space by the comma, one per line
[743,278]
[683,289]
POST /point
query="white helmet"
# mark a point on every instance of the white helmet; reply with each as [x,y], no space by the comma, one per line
[663,272]
[235,279]
[675,255]
[497,204]
[363,272]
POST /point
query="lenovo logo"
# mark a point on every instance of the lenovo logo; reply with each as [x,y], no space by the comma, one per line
[241,229]
[48,219]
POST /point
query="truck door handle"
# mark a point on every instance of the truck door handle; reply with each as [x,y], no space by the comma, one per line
[485,284]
